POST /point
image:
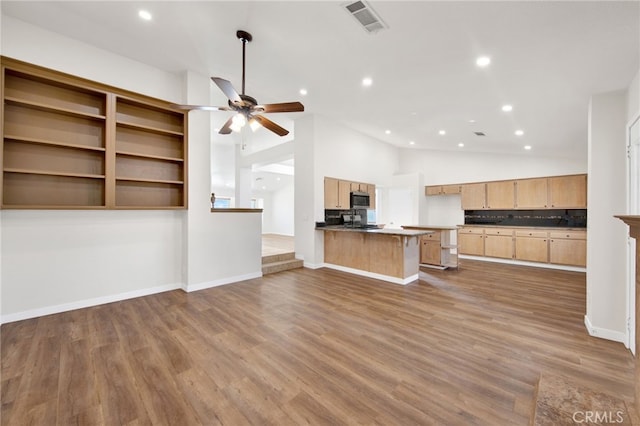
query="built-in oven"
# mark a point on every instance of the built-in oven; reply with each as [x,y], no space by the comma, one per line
[359,200]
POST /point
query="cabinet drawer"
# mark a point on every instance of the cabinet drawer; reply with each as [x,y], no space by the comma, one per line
[498,231]
[570,235]
[534,234]
[471,230]
[432,237]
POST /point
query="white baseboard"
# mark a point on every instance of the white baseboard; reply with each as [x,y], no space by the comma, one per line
[313,265]
[388,278]
[524,263]
[604,333]
[223,281]
[65,307]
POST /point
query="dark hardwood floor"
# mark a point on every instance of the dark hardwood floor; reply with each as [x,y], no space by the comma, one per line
[314,347]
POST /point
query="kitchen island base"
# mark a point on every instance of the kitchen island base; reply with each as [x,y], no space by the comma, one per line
[389,255]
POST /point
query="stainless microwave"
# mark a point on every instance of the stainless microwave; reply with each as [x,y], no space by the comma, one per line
[359,200]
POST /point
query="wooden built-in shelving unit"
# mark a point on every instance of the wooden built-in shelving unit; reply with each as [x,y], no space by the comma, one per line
[75,144]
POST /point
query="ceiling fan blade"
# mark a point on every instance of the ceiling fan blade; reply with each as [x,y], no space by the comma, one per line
[270,125]
[228,90]
[202,107]
[226,129]
[282,107]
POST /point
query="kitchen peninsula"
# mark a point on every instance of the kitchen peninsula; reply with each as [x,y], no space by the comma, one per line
[387,254]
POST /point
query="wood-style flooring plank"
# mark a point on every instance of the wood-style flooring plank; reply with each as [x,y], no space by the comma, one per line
[319,347]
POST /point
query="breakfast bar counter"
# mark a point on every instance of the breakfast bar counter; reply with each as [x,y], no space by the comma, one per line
[387,254]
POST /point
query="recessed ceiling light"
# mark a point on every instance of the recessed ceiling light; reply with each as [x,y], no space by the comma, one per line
[527,147]
[507,108]
[278,179]
[367,81]
[472,121]
[264,187]
[412,143]
[460,145]
[145,14]
[303,92]
[483,61]
[388,132]
[519,132]
[442,132]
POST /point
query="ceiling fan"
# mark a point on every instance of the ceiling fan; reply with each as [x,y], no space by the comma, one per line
[247,108]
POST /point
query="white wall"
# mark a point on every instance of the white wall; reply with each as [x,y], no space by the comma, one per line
[59,260]
[325,148]
[606,248]
[279,211]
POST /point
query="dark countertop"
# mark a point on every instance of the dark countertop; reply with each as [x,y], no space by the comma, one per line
[434,227]
[380,231]
[542,228]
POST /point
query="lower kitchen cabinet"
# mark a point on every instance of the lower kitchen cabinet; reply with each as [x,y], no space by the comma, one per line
[498,243]
[558,247]
[471,241]
[436,248]
[532,246]
[568,248]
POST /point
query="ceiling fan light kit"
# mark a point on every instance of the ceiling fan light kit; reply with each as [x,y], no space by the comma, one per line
[247,108]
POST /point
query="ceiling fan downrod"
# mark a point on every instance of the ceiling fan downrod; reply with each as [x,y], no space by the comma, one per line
[244,37]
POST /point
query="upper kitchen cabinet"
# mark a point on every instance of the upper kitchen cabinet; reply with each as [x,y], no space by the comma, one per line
[443,189]
[371,189]
[474,196]
[568,192]
[531,193]
[336,193]
[500,195]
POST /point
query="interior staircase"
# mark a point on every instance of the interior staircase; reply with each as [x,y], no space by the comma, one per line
[280,262]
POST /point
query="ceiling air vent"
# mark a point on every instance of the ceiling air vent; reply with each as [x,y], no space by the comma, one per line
[479,134]
[367,17]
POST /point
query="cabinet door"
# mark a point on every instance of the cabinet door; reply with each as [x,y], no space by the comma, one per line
[500,195]
[473,196]
[433,190]
[371,189]
[344,194]
[531,193]
[331,193]
[568,191]
[451,189]
[430,252]
[471,244]
[498,246]
[532,249]
[568,248]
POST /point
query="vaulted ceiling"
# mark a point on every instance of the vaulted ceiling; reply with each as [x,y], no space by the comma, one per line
[547,59]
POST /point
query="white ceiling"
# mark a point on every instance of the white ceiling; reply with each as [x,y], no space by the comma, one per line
[547,59]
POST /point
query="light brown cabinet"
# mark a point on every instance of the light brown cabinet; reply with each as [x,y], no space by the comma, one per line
[371,189]
[531,193]
[569,192]
[559,247]
[436,248]
[556,192]
[471,241]
[568,248]
[474,196]
[443,189]
[532,246]
[337,193]
[500,195]
[498,242]
[75,144]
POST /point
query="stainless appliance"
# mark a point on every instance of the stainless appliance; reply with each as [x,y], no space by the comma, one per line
[359,200]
